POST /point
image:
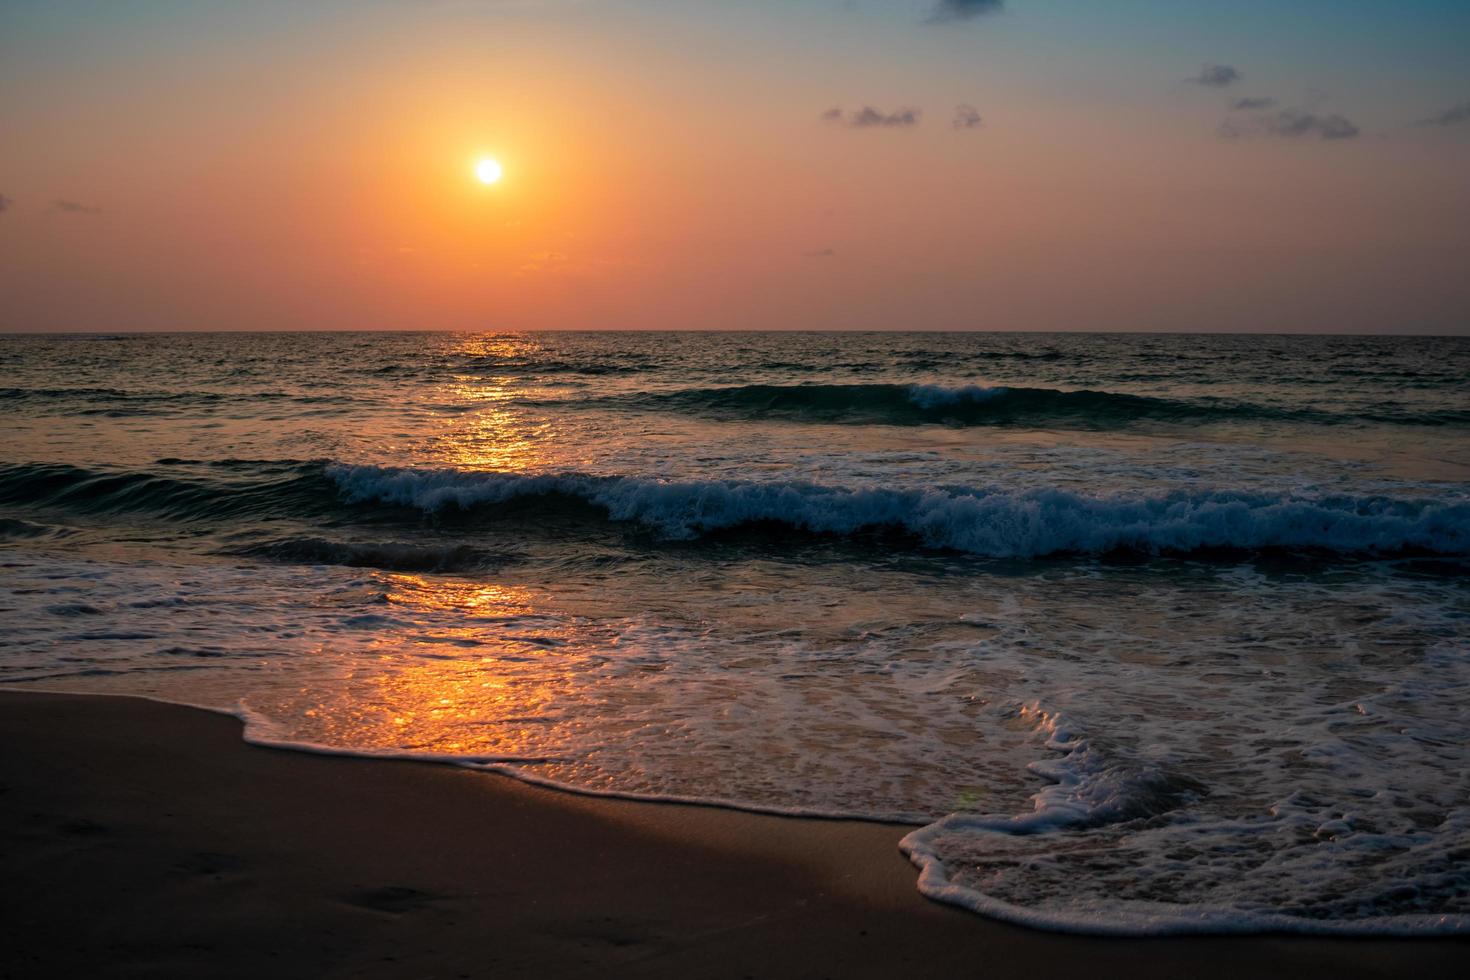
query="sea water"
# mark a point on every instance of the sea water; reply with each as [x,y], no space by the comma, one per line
[1146,633]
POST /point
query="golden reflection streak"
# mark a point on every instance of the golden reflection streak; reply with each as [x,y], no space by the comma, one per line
[485,685]
[484,679]
[498,346]
[493,439]
[487,435]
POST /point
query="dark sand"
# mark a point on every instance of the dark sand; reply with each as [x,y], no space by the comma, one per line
[148,840]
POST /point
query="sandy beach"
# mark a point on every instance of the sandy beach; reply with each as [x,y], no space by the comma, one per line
[144,839]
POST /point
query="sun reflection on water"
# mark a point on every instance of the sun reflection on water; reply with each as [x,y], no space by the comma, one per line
[480,426]
[468,668]
[492,438]
[495,346]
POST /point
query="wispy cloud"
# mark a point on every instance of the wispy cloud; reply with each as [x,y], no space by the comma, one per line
[4,203]
[821,253]
[867,118]
[1217,76]
[1291,124]
[952,10]
[1453,116]
[63,206]
[966,117]
[1248,104]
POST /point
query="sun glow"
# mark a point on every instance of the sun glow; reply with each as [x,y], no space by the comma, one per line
[488,171]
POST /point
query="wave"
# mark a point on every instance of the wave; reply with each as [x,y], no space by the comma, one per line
[988,522]
[865,403]
[245,489]
[624,363]
[992,522]
[119,403]
[976,405]
[913,404]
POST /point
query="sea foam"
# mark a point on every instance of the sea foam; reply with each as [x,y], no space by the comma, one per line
[1367,844]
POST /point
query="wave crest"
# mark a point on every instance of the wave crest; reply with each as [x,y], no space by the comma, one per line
[988,522]
[992,522]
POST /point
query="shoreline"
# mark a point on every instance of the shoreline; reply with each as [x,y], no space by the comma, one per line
[146,838]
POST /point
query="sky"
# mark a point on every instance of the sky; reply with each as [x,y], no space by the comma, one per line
[1114,165]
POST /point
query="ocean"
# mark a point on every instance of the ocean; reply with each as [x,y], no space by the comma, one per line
[1142,633]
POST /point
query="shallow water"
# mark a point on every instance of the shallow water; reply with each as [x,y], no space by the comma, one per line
[1144,633]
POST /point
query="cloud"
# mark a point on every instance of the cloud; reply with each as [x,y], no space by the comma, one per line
[1291,124]
[1453,116]
[867,118]
[951,10]
[1217,76]
[4,203]
[966,117]
[821,253]
[1263,102]
[63,206]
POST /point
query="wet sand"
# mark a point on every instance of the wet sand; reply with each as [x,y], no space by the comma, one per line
[143,839]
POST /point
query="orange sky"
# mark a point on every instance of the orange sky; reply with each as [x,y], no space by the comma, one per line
[669,168]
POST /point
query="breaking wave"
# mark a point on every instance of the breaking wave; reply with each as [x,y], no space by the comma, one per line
[986,521]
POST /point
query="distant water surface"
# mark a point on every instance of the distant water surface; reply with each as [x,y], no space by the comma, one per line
[1142,633]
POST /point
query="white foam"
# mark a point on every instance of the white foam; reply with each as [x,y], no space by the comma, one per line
[1363,841]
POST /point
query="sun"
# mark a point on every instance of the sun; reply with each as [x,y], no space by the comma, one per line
[488,171]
